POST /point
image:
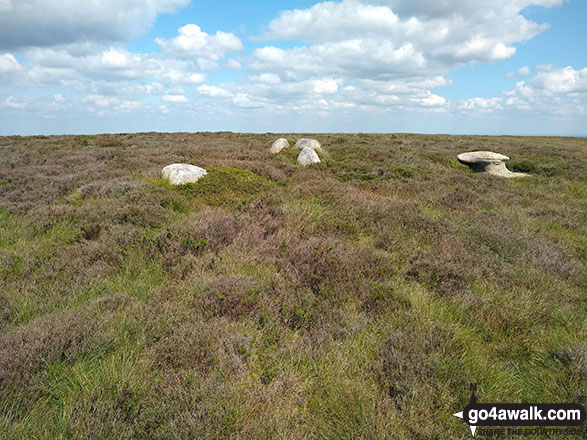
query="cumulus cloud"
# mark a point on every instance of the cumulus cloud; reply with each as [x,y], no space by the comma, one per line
[10,69]
[554,91]
[175,98]
[102,105]
[42,23]
[433,100]
[352,58]
[206,49]
[443,8]
[56,65]
[522,71]
[213,91]
[342,57]
[327,86]
[244,100]
[385,53]
[441,32]
[9,64]
[233,64]
[481,104]
[565,80]
[552,88]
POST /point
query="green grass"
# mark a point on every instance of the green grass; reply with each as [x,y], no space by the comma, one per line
[228,187]
[358,298]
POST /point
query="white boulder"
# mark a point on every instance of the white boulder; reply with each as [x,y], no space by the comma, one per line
[310,143]
[308,156]
[180,173]
[279,145]
[488,162]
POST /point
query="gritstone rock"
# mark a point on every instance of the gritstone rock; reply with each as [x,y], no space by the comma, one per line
[180,173]
[311,143]
[308,156]
[488,162]
[279,145]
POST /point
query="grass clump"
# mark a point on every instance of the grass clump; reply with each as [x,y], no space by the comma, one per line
[228,187]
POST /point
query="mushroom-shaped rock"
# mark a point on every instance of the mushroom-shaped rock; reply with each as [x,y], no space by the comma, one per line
[308,156]
[279,145]
[180,173]
[487,162]
[310,143]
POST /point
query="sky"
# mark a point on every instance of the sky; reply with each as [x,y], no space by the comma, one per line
[515,67]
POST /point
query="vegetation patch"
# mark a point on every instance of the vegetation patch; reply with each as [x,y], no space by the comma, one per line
[228,187]
[346,173]
[357,298]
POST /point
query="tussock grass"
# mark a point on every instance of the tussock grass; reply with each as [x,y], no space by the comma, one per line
[357,298]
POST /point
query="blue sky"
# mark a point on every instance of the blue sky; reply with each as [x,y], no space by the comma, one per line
[429,66]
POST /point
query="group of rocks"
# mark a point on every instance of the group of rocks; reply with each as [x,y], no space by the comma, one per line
[479,161]
[307,147]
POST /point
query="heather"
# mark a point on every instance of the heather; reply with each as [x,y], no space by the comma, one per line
[356,298]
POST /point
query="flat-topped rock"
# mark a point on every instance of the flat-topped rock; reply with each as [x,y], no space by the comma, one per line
[308,156]
[279,145]
[310,143]
[180,173]
[488,162]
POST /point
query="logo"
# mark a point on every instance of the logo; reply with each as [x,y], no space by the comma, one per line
[478,414]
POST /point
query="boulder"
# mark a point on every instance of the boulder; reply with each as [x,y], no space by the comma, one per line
[488,162]
[308,156]
[310,143]
[279,145]
[180,173]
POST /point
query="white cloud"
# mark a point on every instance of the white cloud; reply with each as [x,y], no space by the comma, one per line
[431,100]
[115,59]
[233,64]
[175,98]
[385,54]
[483,50]
[442,32]
[9,64]
[564,80]
[326,85]
[100,101]
[345,58]
[266,78]
[10,69]
[176,76]
[553,90]
[329,21]
[103,105]
[42,23]
[12,103]
[522,71]
[213,91]
[244,100]
[55,65]
[207,49]
[353,58]
[442,8]
[481,104]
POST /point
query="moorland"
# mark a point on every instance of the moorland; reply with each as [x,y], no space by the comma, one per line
[356,298]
